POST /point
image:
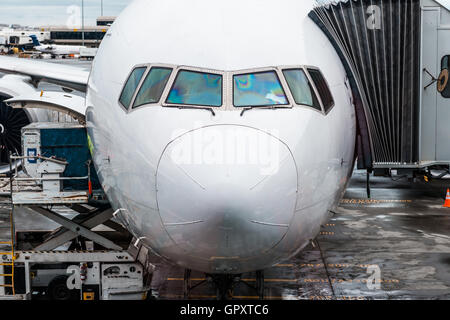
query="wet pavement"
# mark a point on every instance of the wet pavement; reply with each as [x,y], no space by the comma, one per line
[395,245]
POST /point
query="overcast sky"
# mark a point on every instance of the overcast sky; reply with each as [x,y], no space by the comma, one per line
[55,12]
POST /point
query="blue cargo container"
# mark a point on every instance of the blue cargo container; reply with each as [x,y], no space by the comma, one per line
[66,141]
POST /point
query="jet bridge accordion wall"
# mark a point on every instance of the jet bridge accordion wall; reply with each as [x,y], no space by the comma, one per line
[379,43]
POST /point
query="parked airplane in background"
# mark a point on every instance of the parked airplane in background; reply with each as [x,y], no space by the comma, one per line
[55,50]
[224,139]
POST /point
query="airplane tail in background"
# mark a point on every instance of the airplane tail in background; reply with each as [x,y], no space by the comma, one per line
[35,40]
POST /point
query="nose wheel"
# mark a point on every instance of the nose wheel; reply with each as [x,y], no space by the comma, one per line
[224,284]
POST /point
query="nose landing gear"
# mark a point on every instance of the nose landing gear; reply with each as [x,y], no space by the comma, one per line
[224,284]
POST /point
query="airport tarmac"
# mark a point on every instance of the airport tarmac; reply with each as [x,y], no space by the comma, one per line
[402,230]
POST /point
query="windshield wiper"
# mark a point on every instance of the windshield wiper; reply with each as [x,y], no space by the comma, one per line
[195,108]
[271,108]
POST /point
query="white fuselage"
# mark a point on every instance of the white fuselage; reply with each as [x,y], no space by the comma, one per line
[219,217]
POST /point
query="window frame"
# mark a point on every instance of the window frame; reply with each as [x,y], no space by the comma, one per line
[325,112]
[144,75]
[448,83]
[281,79]
[311,82]
[227,87]
[173,78]
[147,72]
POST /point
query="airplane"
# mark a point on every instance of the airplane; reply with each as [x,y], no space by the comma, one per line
[224,140]
[55,50]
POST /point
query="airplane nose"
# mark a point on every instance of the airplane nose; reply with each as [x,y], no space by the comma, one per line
[226,192]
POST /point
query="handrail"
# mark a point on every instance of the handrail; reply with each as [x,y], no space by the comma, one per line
[40,157]
[52,179]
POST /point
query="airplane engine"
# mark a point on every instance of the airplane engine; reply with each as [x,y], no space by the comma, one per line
[13,120]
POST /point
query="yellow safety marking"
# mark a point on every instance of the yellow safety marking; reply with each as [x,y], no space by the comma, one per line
[333,265]
[13,257]
[223,258]
[90,145]
[246,280]
[271,280]
[88,296]
[285,265]
[351,280]
[182,279]
[337,298]
[373,201]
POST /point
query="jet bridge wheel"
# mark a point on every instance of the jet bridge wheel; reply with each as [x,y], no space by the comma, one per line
[11,123]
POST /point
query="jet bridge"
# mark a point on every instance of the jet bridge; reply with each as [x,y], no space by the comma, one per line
[397,56]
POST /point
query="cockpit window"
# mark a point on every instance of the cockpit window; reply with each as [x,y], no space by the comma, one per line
[301,88]
[153,86]
[196,88]
[322,88]
[130,86]
[258,90]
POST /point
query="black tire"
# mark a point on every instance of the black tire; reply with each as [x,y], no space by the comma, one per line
[57,290]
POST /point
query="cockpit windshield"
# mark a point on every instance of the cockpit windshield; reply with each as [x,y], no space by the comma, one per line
[169,85]
[258,90]
[131,86]
[153,86]
[196,88]
[301,88]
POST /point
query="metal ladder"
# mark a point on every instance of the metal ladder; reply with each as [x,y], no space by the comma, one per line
[7,255]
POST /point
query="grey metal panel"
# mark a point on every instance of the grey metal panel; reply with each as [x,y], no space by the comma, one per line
[73,256]
[442,103]
[430,18]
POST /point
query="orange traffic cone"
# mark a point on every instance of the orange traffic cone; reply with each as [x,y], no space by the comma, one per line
[447,199]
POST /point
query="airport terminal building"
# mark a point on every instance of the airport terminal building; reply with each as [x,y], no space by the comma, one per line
[93,35]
